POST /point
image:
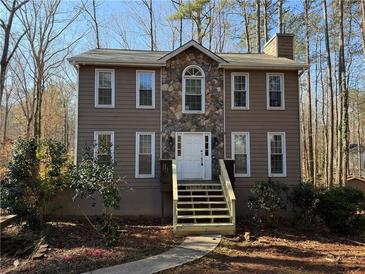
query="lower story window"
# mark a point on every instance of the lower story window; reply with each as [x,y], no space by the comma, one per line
[145,154]
[241,153]
[104,146]
[276,154]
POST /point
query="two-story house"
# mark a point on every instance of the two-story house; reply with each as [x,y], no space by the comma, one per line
[196,108]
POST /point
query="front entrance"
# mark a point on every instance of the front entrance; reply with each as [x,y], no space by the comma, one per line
[193,154]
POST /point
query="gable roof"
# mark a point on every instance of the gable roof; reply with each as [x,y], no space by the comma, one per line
[196,45]
[147,58]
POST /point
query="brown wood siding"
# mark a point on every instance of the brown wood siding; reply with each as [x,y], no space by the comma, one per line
[285,47]
[258,121]
[125,119]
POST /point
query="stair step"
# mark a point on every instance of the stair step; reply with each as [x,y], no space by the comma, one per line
[203,216]
[201,196]
[203,209]
[189,185]
[200,190]
[200,202]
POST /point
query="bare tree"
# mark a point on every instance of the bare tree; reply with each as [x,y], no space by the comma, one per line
[246,21]
[344,138]
[43,33]
[177,4]
[258,23]
[7,52]
[93,17]
[149,6]
[9,91]
[330,86]
[363,24]
[266,20]
[280,16]
[309,93]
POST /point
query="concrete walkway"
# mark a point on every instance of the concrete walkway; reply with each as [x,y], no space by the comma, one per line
[192,248]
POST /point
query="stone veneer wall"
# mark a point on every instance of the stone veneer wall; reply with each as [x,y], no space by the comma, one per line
[173,120]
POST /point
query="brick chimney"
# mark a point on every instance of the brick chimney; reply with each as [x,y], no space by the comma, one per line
[281,45]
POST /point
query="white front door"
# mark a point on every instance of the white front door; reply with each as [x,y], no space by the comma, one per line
[194,156]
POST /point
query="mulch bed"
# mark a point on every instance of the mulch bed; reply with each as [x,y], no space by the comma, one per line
[73,246]
[282,250]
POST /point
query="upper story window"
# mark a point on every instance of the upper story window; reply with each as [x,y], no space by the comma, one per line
[275,91]
[276,154]
[104,88]
[239,90]
[193,90]
[104,146]
[145,85]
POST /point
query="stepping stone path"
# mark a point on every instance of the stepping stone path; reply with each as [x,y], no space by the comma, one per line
[192,248]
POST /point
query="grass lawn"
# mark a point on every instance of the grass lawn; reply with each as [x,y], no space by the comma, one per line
[75,247]
[282,251]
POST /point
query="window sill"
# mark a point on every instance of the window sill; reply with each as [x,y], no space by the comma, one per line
[193,112]
[242,175]
[104,106]
[144,176]
[240,108]
[145,107]
[277,175]
[275,108]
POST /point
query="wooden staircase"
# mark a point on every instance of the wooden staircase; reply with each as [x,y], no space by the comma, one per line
[204,207]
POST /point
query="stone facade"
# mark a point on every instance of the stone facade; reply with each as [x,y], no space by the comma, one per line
[173,120]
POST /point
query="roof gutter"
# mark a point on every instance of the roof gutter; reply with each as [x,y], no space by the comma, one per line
[106,63]
[269,67]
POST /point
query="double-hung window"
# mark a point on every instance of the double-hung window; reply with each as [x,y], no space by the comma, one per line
[193,85]
[145,85]
[145,154]
[104,88]
[276,154]
[241,153]
[239,90]
[275,91]
[104,146]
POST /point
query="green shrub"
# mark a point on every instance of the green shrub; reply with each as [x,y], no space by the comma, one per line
[339,207]
[267,200]
[35,173]
[92,178]
[304,198]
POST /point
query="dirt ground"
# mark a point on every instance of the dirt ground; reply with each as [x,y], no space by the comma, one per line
[75,247]
[283,251]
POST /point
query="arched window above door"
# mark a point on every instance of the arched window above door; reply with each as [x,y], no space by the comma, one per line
[193,90]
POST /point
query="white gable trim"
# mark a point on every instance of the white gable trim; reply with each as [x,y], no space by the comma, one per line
[196,45]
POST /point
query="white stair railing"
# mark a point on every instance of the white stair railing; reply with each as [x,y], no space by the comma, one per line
[228,191]
[174,194]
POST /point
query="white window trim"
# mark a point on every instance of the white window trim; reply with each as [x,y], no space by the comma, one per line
[202,90]
[97,105]
[153,89]
[247,77]
[137,175]
[247,134]
[269,134]
[282,86]
[96,140]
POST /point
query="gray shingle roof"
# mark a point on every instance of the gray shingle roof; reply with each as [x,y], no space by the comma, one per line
[152,59]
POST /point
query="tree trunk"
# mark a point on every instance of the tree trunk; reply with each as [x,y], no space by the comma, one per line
[6,118]
[344,92]
[309,95]
[266,18]
[151,25]
[258,32]
[280,16]
[363,24]
[247,31]
[96,25]
[329,83]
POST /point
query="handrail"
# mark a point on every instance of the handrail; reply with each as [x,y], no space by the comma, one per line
[174,193]
[228,190]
